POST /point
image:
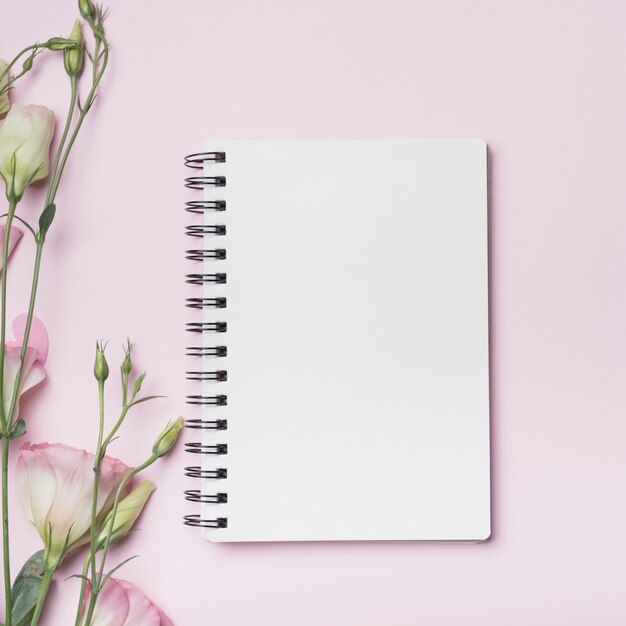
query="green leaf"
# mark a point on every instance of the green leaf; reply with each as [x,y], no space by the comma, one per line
[26,589]
[146,399]
[45,219]
[18,430]
[106,578]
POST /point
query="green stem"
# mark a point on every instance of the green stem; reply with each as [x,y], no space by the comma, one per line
[96,588]
[66,130]
[17,57]
[8,600]
[96,483]
[54,183]
[6,424]
[29,322]
[43,592]
[115,428]
[83,588]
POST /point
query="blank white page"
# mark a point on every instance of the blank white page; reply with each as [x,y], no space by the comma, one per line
[357,313]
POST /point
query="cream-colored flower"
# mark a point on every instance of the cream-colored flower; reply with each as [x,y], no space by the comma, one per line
[25,137]
[5,105]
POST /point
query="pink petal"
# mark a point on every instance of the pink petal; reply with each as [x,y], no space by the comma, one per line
[112,605]
[32,374]
[14,237]
[71,510]
[141,612]
[165,620]
[37,339]
[36,486]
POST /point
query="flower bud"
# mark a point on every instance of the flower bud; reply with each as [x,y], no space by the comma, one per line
[25,137]
[5,104]
[137,384]
[101,367]
[166,440]
[57,44]
[127,364]
[73,59]
[128,511]
[86,9]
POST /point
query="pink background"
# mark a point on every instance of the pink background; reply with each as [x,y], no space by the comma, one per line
[543,83]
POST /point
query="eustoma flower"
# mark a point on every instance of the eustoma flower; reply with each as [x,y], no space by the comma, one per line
[121,604]
[25,137]
[55,486]
[5,104]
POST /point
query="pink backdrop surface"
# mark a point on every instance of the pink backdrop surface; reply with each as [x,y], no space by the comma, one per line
[543,83]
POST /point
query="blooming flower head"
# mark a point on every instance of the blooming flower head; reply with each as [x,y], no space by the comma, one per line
[25,137]
[55,486]
[121,604]
[5,104]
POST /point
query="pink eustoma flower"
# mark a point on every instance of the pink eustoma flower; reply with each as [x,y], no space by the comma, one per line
[120,603]
[55,486]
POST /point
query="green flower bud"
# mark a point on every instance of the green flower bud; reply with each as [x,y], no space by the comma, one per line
[166,440]
[137,384]
[127,365]
[101,367]
[128,511]
[28,64]
[73,59]
[86,9]
[60,43]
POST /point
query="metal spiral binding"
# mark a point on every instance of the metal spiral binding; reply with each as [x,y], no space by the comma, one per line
[206,253]
[215,374]
[207,424]
[201,279]
[199,230]
[200,206]
[199,522]
[219,351]
[195,495]
[195,471]
[205,327]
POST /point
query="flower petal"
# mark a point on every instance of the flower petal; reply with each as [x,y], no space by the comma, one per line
[14,236]
[37,339]
[142,611]
[36,486]
[32,374]
[112,606]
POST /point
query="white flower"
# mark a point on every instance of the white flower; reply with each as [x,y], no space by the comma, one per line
[25,137]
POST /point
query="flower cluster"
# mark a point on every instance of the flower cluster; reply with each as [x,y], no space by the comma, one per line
[74,498]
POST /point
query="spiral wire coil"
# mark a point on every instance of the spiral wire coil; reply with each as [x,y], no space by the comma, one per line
[218,375]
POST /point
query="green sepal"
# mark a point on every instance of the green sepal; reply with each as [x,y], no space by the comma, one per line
[18,430]
[45,219]
[26,589]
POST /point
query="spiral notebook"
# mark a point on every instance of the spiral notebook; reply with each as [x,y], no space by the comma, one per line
[338,338]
